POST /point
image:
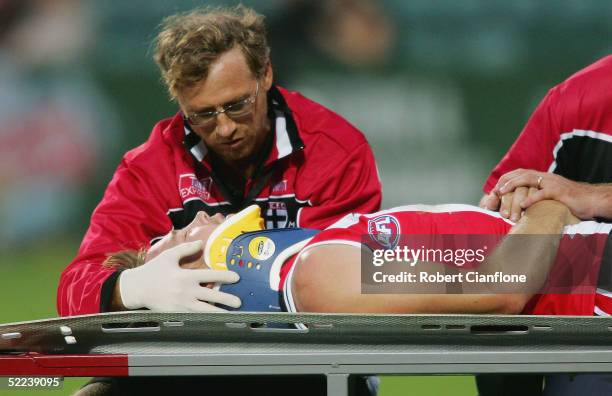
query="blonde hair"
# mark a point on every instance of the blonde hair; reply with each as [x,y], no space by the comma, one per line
[188,43]
[125,259]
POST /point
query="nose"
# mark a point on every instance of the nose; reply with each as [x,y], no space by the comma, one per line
[202,218]
[218,218]
[225,126]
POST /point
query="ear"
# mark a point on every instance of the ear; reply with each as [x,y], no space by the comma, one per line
[268,77]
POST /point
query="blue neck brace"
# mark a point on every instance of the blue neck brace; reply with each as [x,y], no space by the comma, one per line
[258,257]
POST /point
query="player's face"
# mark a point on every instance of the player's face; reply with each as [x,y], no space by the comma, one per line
[237,135]
[198,230]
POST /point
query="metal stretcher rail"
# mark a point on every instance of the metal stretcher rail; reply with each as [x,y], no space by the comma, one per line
[335,345]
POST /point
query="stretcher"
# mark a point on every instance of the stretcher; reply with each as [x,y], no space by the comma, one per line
[142,343]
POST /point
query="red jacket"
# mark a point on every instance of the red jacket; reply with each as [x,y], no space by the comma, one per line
[570,134]
[319,169]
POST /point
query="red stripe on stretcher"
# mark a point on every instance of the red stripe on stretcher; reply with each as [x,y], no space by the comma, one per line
[65,365]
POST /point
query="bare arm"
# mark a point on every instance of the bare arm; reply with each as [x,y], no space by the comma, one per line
[328,278]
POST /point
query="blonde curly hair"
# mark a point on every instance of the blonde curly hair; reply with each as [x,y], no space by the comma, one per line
[188,43]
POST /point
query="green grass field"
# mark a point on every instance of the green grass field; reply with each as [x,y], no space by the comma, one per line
[29,280]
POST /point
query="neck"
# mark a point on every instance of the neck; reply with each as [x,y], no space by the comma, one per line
[240,170]
[235,173]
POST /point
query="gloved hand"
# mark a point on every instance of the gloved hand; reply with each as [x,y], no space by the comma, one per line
[162,285]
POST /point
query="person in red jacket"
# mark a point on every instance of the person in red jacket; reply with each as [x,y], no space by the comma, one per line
[564,153]
[237,139]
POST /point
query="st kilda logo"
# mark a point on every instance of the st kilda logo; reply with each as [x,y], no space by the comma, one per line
[384,230]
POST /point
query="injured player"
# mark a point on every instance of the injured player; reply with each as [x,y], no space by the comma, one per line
[300,270]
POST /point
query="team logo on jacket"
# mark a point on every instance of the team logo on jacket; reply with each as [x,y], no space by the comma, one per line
[384,230]
[280,187]
[276,216]
[191,187]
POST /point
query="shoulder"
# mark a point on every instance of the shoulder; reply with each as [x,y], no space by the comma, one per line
[584,100]
[585,93]
[593,73]
[321,126]
[160,149]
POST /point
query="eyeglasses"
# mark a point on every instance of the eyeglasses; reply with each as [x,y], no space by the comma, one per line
[236,110]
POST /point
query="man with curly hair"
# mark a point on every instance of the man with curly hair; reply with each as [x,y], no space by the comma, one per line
[237,140]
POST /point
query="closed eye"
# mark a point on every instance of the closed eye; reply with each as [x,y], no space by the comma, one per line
[233,105]
[237,105]
[204,113]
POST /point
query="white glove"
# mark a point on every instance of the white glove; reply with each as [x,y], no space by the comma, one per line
[162,285]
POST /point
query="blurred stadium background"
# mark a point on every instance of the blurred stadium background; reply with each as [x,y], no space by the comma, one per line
[440,89]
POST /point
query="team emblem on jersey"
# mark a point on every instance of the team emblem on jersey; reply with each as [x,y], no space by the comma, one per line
[384,230]
[191,187]
[276,216]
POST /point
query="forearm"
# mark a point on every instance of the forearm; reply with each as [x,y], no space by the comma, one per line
[529,250]
[602,200]
[129,215]
[79,290]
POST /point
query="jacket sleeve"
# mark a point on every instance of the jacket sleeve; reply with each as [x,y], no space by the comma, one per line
[534,146]
[350,185]
[128,217]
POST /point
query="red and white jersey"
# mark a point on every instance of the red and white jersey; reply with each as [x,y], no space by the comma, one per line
[415,220]
[384,229]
